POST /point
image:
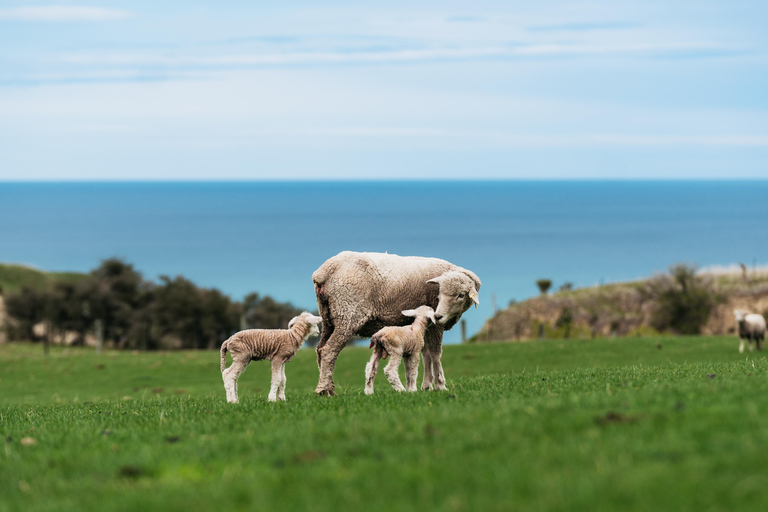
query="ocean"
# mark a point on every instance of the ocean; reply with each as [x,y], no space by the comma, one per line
[270,236]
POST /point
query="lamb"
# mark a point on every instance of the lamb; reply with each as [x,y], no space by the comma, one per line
[751,327]
[359,293]
[400,343]
[277,345]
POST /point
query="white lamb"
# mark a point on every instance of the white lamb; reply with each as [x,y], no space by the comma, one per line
[404,343]
[277,345]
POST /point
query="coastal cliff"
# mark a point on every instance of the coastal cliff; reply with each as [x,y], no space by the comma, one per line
[623,309]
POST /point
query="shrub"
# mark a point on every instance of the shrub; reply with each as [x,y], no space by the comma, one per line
[684,300]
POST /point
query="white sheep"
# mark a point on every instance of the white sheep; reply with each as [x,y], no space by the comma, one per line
[277,345]
[751,327]
[361,292]
[404,343]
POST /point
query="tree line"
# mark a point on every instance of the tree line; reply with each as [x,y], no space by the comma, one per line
[117,303]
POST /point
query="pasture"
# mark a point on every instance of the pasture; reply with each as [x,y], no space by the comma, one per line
[665,423]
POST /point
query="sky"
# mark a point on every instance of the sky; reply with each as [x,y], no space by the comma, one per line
[292,90]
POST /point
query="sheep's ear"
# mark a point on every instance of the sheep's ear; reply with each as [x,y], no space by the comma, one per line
[314,319]
[293,321]
[436,280]
[474,296]
[409,312]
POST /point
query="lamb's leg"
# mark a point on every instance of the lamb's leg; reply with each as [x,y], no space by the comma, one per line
[741,345]
[391,371]
[277,377]
[327,356]
[230,376]
[407,364]
[370,370]
[281,387]
[411,371]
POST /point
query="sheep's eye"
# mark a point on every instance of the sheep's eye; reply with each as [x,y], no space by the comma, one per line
[461,295]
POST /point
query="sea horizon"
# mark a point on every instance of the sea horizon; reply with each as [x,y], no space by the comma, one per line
[269,236]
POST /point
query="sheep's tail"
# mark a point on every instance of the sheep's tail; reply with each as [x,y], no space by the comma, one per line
[224,356]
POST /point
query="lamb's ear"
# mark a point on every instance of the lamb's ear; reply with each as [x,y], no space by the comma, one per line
[436,280]
[314,319]
[409,312]
[293,321]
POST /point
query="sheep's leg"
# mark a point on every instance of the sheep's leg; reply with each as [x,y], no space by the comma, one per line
[411,371]
[437,369]
[752,344]
[327,356]
[433,347]
[426,384]
[277,377]
[370,370]
[230,376]
[391,372]
[741,345]
[281,387]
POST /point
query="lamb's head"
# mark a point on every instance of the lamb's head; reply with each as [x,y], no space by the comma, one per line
[421,312]
[740,315]
[458,291]
[311,320]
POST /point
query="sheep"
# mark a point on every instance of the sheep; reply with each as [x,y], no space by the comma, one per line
[277,345]
[400,343]
[751,327]
[359,293]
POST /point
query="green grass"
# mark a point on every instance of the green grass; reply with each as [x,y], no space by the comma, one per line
[555,425]
[14,277]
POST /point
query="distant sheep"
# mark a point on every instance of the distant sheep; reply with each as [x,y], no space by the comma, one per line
[361,292]
[277,345]
[400,343]
[751,328]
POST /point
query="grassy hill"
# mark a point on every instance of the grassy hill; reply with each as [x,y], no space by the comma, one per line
[644,424]
[623,309]
[14,277]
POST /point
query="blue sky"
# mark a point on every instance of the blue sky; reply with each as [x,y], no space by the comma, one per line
[383,90]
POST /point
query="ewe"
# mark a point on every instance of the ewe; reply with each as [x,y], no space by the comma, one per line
[400,343]
[751,327]
[361,292]
[277,345]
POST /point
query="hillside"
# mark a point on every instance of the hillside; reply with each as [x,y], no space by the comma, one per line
[15,277]
[621,309]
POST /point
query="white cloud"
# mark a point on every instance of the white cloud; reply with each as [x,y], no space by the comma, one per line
[63,13]
[396,56]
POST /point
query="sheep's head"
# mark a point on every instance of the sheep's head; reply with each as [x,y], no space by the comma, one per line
[458,291]
[421,311]
[312,320]
[740,315]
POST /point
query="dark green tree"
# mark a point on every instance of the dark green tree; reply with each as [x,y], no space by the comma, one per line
[544,285]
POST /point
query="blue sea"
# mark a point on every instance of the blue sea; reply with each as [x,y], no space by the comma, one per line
[270,237]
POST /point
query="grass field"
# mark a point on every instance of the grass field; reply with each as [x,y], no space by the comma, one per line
[631,424]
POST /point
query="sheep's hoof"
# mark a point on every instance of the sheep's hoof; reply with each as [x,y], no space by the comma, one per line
[368,391]
[326,392]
